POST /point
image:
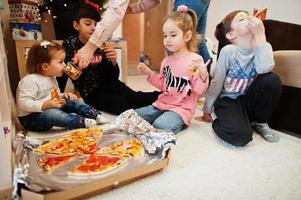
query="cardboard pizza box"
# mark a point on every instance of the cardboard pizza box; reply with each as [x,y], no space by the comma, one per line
[102,185]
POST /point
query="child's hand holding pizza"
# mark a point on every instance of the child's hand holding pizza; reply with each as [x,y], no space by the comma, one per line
[53,103]
[199,68]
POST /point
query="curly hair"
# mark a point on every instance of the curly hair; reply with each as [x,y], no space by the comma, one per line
[187,21]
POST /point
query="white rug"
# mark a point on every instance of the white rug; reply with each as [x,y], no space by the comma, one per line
[204,167]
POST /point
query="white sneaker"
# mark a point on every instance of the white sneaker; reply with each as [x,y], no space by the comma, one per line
[101,119]
[89,123]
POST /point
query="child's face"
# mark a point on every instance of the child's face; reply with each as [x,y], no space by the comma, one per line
[173,36]
[86,28]
[56,65]
[239,24]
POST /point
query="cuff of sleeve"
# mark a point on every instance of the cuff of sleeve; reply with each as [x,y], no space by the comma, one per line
[38,107]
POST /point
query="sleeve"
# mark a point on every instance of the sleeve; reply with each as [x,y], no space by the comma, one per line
[112,18]
[27,91]
[143,5]
[157,80]
[198,85]
[217,82]
[264,59]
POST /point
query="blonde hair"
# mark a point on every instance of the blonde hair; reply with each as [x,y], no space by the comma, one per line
[41,53]
[187,21]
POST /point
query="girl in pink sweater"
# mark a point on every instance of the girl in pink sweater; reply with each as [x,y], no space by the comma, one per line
[183,76]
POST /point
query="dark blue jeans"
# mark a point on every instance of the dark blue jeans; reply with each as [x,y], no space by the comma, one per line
[200,7]
[71,116]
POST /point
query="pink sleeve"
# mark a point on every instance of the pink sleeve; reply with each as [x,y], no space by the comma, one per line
[143,5]
[199,86]
[111,19]
[156,80]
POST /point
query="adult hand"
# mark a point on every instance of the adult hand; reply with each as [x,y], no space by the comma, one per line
[111,54]
[83,57]
[143,69]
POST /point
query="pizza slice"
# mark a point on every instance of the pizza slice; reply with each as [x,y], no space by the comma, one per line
[55,94]
[82,141]
[98,164]
[125,148]
[49,164]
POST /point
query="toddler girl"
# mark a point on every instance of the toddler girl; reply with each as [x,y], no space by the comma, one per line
[39,107]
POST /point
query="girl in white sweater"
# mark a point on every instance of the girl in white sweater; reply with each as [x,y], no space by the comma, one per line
[39,108]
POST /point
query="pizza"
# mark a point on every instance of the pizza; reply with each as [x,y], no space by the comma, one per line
[98,164]
[124,148]
[193,71]
[80,141]
[54,94]
[49,164]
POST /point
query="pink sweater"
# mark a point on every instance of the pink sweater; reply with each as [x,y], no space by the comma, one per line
[180,90]
[113,17]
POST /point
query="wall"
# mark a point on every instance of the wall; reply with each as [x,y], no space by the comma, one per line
[288,11]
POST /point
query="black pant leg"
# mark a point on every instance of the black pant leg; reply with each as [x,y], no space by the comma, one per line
[136,99]
[232,123]
[262,97]
[108,102]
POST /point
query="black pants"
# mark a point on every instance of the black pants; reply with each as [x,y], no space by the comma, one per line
[117,97]
[234,116]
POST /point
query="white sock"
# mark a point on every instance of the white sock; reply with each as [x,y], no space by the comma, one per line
[89,123]
[100,119]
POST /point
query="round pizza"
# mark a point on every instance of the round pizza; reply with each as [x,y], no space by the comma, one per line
[98,164]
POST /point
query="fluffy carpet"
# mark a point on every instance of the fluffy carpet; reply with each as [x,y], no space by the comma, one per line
[204,167]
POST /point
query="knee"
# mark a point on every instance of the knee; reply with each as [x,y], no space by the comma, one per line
[175,128]
[271,81]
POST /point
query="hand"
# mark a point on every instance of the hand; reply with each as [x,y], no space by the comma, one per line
[257,29]
[110,53]
[143,69]
[70,96]
[201,68]
[205,118]
[53,103]
[83,57]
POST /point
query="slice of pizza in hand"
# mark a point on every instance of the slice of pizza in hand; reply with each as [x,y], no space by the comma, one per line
[124,148]
[98,164]
[49,164]
[193,71]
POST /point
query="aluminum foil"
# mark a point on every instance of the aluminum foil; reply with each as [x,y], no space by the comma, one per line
[29,173]
[155,141]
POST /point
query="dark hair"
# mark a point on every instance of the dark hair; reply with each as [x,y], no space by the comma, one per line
[186,21]
[225,26]
[41,53]
[84,10]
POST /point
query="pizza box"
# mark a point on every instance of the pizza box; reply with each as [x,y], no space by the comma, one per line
[102,185]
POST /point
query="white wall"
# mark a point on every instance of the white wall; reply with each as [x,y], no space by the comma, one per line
[283,10]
